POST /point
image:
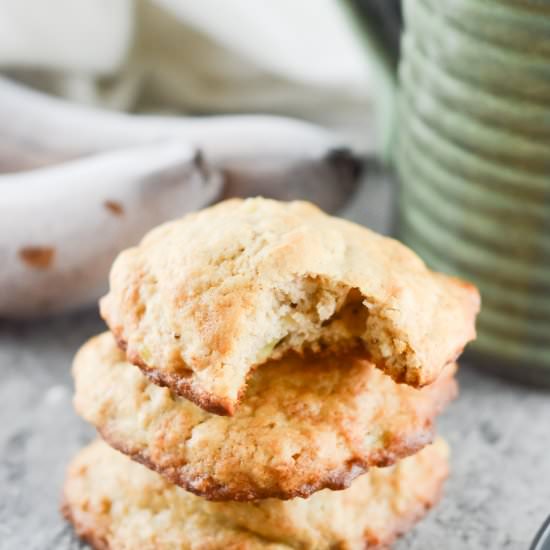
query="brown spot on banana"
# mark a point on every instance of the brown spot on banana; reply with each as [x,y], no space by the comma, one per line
[37,257]
[114,207]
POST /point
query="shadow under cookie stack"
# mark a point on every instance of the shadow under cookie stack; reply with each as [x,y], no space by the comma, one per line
[262,357]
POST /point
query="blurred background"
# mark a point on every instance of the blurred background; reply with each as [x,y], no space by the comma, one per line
[116,116]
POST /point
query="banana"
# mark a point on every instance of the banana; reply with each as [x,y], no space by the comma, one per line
[79,184]
[268,155]
[61,226]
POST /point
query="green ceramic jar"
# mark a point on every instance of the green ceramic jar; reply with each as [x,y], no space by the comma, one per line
[473,158]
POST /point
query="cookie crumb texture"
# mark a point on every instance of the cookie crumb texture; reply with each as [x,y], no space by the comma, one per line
[205,299]
[117,504]
[302,426]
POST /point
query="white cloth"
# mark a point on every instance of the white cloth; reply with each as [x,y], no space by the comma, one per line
[300,58]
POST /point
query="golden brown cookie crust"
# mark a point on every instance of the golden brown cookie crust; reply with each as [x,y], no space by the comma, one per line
[303,425]
[115,503]
[180,384]
[203,300]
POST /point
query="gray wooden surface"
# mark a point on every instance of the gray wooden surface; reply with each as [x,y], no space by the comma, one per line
[498,493]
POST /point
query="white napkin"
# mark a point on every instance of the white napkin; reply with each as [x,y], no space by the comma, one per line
[285,57]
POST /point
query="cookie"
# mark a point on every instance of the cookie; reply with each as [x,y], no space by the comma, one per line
[302,426]
[204,299]
[115,503]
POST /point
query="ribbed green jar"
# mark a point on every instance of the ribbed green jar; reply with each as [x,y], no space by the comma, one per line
[473,158]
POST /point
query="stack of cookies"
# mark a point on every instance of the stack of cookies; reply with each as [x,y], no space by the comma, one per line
[262,357]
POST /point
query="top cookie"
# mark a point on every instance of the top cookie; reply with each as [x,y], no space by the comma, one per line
[204,299]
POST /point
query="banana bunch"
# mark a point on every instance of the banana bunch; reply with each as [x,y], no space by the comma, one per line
[78,184]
